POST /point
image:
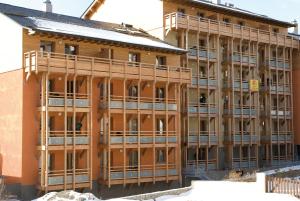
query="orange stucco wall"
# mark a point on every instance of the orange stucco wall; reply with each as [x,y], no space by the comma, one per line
[11,121]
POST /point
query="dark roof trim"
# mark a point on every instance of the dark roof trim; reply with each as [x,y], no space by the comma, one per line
[234,11]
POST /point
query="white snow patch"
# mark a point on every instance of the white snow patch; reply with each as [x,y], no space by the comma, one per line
[280,170]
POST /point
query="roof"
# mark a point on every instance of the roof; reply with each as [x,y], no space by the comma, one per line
[209,5]
[95,30]
[236,12]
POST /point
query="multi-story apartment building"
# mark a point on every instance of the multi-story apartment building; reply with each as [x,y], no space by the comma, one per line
[238,111]
[85,102]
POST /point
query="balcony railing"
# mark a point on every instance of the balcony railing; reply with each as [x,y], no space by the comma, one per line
[204,82]
[202,108]
[237,85]
[240,110]
[145,172]
[142,137]
[203,53]
[282,136]
[57,177]
[57,138]
[281,111]
[204,137]
[244,163]
[280,88]
[131,103]
[194,23]
[242,137]
[244,58]
[57,99]
[195,167]
[278,63]
[39,61]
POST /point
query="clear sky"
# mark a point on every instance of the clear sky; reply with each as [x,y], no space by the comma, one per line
[286,10]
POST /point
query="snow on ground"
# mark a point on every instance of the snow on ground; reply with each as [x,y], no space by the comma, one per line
[280,170]
[192,195]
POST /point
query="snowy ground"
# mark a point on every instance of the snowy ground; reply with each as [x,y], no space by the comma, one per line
[280,170]
[193,195]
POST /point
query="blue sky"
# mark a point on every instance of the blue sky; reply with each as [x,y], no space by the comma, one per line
[286,10]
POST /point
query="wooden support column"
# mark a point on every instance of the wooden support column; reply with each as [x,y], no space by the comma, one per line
[167,130]
[74,134]
[65,128]
[107,83]
[47,132]
[124,131]
[43,85]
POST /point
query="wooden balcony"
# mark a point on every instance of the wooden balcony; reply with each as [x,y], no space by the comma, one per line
[194,168]
[203,54]
[133,138]
[36,61]
[144,173]
[57,179]
[193,23]
[244,163]
[241,138]
[237,111]
[203,138]
[58,139]
[204,82]
[202,109]
[237,85]
[278,137]
[135,103]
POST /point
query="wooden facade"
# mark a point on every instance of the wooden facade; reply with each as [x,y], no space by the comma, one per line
[87,109]
[240,101]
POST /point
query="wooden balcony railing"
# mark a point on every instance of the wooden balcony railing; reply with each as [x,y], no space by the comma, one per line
[57,99]
[136,137]
[57,177]
[194,23]
[59,138]
[142,103]
[146,172]
[39,61]
[203,137]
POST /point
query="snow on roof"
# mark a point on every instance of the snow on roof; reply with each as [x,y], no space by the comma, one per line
[241,11]
[96,33]
[96,30]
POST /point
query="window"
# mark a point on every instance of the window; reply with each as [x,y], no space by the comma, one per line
[200,14]
[226,20]
[202,98]
[133,126]
[160,156]
[69,123]
[70,87]
[69,161]
[202,154]
[160,93]
[275,30]
[51,123]
[134,58]
[241,23]
[133,91]
[133,159]
[203,126]
[51,85]
[161,60]
[51,159]
[245,153]
[202,43]
[47,46]
[107,53]
[202,72]
[71,49]
[160,126]
[181,11]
